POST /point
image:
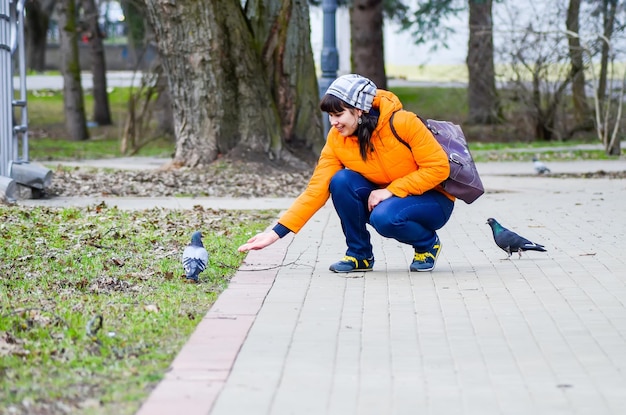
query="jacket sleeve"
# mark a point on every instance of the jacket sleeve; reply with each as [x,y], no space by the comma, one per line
[432,162]
[316,193]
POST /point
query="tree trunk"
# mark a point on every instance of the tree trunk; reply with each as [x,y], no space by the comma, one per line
[215,79]
[608,11]
[101,111]
[282,29]
[484,107]
[73,100]
[367,40]
[235,91]
[36,30]
[609,8]
[582,113]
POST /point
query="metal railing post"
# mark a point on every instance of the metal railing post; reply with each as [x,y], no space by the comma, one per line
[22,128]
[7,38]
[330,56]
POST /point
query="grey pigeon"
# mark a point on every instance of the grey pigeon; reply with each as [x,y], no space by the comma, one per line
[540,167]
[511,242]
[195,257]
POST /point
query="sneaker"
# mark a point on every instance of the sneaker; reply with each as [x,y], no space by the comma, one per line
[425,261]
[350,263]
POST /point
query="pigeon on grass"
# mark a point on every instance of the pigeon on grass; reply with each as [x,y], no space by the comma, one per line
[540,167]
[511,242]
[195,258]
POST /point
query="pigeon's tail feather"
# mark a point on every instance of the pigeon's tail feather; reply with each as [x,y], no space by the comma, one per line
[193,267]
[191,271]
[534,247]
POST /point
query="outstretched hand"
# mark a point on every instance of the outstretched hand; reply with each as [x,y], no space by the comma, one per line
[259,241]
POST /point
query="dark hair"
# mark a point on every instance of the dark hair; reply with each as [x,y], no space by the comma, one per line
[331,104]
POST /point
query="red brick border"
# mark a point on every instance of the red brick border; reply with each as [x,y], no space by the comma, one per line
[201,368]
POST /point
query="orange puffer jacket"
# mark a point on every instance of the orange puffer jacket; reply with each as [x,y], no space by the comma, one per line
[390,166]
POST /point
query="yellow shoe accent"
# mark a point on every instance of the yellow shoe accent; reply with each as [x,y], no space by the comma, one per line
[349,264]
[425,261]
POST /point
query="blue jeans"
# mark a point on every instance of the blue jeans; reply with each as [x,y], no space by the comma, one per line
[412,220]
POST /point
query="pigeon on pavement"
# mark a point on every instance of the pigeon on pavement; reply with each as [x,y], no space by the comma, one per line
[511,242]
[540,167]
[195,257]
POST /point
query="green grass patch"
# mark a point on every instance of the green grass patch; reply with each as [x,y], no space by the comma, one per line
[434,102]
[534,145]
[46,149]
[45,106]
[429,73]
[63,269]
[48,138]
[562,154]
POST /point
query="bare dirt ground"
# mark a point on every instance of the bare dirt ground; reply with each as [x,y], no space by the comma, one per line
[225,178]
[221,179]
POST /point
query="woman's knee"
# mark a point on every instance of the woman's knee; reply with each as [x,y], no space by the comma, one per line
[382,221]
[341,180]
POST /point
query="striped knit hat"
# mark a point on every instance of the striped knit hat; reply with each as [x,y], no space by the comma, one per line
[355,90]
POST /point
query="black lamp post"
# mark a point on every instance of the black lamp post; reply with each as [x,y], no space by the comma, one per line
[330,56]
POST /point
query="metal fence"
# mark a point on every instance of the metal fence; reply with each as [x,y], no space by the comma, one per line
[14,118]
[14,163]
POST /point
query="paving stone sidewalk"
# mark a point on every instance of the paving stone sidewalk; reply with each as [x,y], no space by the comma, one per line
[544,334]
[481,334]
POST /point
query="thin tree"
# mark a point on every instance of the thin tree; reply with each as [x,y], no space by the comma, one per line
[101,109]
[484,106]
[367,40]
[582,112]
[608,10]
[73,100]
[37,20]
[427,24]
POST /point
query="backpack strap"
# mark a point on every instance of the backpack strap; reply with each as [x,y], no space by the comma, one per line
[395,133]
[393,130]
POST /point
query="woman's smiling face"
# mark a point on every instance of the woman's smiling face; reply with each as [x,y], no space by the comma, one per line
[346,121]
